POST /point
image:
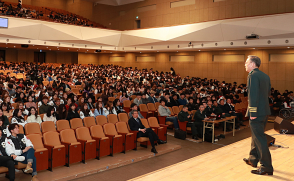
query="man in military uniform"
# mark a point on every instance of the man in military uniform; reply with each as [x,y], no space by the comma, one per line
[259,87]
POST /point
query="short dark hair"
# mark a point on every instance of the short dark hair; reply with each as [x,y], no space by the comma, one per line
[255,59]
[134,111]
[133,105]
[185,106]
[12,126]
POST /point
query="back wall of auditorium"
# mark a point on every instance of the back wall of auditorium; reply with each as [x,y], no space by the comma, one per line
[203,64]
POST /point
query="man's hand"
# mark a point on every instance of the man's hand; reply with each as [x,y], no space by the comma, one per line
[252,118]
[212,114]
[14,157]
[206,118]
[189,116]
[26,149]
[143,130]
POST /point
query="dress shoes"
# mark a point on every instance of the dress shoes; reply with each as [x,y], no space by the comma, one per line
[154,150]
[246,160]
[261,172]
[161,142]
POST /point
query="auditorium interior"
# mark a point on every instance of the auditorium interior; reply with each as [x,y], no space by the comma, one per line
[84,80]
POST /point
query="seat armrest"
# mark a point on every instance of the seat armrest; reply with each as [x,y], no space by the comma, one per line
[163,125]
[122,133]
[81,140]
[108,135]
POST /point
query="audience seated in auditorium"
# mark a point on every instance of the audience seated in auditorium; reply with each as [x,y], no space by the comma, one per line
[164,111]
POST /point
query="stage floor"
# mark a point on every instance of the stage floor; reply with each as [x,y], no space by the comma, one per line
[226,164]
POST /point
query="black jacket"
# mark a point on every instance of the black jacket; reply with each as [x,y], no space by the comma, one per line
[71,115]
[134,125]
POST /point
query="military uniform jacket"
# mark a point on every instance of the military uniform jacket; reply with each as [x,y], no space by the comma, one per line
[199,117]
[183,116]
[259,88]
[14,146]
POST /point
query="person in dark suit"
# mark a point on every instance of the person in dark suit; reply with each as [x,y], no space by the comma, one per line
[259,89]
[136,125]
[230,109]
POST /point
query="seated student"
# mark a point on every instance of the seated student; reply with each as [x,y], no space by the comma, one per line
[152,98]
[50,115]
[4,119]
[209,110]
[21,98]
[164,111]
[33,116]
[61,112]
[109,109]
[8,161]
[85,111]
[90,103]
[230,108]
[174,101]
[69,102]
[30,103]
[118,107]
[182,99]
[191,106]
[145,100]
[134,107]
[72,112]
[21,106]
[198,123]
[18,118]
[18,144]
[99,110]
[44,107]
[136,125]
[185,116]
[138,99]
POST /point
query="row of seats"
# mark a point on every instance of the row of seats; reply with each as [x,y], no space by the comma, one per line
[66,145]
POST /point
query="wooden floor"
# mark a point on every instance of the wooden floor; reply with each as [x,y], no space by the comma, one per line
[226,164]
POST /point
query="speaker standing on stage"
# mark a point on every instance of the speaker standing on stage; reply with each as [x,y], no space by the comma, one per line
[259,87]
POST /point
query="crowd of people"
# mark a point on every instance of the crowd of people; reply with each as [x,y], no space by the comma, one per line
[7,9]
[23,100]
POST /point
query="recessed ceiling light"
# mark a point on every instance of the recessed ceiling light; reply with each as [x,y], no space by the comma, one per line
[140,52]
[38,48]
[6,47]
[177,51]
[199,50]
[224,49]
[110,52]
[77,50]
[87,50]
[33,45]
[253,48]
[14,46]
[157,51]
[58,49]
[47,47]
[50,49]
[288,47]
[68,49]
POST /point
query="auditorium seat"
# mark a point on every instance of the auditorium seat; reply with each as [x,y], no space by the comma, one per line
[151,107]
[157,104]
[123,117]
[72,146]
[112,118]
[160,130]
[180,108]
[176,110]
[42,116]
[41,153]
[111,99]
[144,111]
[101,120]
[76,123]
[102,142]
[56,151]
[33,128]
[116,140]
[89,121]
[128,138]
[21,130]
[127,105]
[88,144]
[62,124]
[48,126]
[171,111]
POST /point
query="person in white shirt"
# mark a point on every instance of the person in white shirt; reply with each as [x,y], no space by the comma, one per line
[85,111]
[18,118]
[19,145]
[50,115]
[34,117]
[109,109]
